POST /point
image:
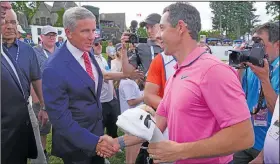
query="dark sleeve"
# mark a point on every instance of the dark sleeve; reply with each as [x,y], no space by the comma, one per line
[133,58]
[57,106]
[35,72]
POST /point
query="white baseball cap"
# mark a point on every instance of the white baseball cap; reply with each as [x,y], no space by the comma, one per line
[48,29]
[19,28]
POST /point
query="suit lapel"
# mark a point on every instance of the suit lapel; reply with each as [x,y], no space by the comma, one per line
[10,70]
[100,75]
[78,69]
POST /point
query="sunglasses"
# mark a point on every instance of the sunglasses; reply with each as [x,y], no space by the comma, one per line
[96,44]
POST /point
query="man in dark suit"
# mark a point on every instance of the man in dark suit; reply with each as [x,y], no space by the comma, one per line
[17,137]
[72,82]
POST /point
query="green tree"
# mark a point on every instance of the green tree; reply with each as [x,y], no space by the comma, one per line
[28,8]
[141,32]
[59,22]
[233,17]
[273,8]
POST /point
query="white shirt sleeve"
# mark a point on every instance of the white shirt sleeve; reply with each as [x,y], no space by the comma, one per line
[130,92]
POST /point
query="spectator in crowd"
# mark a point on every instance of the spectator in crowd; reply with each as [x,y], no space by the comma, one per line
[43,52]
[270,152]
[17,137]
[20,32]
[147,51]
[29,40]
[261,85]
[26,59]
[116,64]
[110,52]
[228,130]
[110,105]
[72,82]
[130,97]
[59,42]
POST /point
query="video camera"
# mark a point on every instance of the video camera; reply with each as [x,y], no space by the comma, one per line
[133,36]
[252,53]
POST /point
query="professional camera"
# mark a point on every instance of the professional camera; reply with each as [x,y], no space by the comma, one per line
[252,53]
[133,37]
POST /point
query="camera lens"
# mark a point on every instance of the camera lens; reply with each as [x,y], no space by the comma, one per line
[133,39]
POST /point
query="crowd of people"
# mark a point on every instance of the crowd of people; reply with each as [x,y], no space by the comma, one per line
[207,111]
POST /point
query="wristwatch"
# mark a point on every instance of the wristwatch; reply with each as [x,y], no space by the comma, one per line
[43,108]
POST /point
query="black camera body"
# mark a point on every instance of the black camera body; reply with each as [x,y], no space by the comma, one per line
[254,54]
[133,37]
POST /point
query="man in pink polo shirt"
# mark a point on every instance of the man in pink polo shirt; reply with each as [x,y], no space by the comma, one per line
[204,106]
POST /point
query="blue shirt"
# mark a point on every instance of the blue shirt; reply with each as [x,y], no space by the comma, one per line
[29,41]
[27,62]
[253,96]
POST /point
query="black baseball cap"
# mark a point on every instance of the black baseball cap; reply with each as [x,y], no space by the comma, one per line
[152,19]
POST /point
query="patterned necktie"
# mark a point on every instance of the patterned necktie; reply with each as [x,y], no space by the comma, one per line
[88,65]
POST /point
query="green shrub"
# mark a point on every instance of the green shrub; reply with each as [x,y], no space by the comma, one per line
[104,45]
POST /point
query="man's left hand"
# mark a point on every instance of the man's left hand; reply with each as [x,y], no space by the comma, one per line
[261,72]
[43,117]
[165,151]
[137,74]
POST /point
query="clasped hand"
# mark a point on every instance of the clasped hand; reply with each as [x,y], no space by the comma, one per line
[107,146]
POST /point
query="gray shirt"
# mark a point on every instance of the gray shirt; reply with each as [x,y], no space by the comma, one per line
[42,55]
[145,53]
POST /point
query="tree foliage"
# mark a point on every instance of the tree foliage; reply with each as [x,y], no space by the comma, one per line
[59,22]
[273,8]
[141,32]
[210,33]
[28,8]
[233,17]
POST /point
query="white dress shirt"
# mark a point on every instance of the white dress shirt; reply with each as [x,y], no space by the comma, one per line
[78,55]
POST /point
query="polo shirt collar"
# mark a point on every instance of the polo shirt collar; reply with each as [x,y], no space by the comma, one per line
[191,57]
[16,43]
[43,48]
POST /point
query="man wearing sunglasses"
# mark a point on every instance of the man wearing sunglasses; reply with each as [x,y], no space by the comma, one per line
[108,98]
[43,52]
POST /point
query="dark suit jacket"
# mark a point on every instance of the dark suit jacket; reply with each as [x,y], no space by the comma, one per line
[73,106]
[17,137]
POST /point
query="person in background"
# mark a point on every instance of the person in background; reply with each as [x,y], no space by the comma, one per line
[20,32]
[59,42]
[110,105]
[43,52]
[116,64]
[270,152]
[29,40]
[110,52]
[147,51]
[130,97]
[261,87]
[17,136]
[26,58]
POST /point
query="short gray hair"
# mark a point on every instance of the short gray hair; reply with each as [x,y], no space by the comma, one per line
[272,30]
[72,15]
[187,13]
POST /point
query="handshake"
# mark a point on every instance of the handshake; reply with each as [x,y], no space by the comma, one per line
[107,146]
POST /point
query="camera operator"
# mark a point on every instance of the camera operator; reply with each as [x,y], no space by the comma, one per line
[261,85]
[147,51]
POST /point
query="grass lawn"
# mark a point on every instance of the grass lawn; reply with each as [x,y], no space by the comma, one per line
[119,158]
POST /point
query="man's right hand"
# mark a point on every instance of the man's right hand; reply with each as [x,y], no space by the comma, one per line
[106,147]
[147,109]
[137,74]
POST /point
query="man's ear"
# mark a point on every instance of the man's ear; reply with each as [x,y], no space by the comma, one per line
[182,27]
[68,33]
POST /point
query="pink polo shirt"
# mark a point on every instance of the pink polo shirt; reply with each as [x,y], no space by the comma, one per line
[202,99]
